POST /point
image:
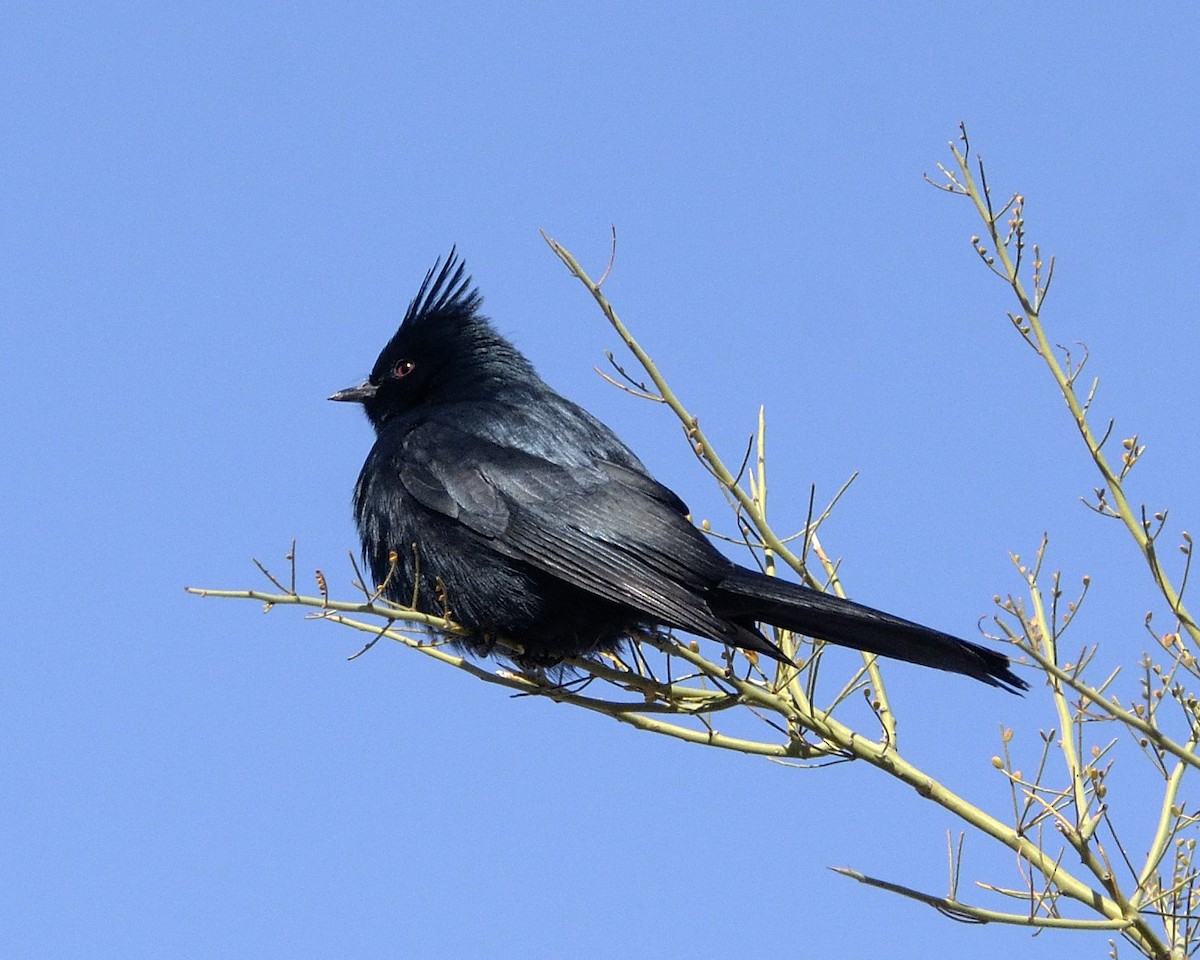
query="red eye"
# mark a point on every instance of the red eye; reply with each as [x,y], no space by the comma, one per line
[403,368]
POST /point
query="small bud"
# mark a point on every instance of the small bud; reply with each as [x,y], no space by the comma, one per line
[997,763]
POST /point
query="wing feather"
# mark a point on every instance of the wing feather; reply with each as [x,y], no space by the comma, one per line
[605,528]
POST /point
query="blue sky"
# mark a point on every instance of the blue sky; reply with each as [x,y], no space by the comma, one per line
[214,216]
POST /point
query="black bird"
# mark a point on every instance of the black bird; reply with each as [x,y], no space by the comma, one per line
[522,517]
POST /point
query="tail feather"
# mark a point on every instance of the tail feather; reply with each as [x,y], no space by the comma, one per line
[747,595]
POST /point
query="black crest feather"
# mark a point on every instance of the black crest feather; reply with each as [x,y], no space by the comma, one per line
[451,291]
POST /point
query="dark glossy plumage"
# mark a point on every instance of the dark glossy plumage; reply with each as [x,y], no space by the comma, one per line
[522,517]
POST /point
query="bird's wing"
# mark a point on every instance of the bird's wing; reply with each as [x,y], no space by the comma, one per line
[605,528]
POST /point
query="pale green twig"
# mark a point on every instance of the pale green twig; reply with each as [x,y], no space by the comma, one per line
[1031,328]
[967,913]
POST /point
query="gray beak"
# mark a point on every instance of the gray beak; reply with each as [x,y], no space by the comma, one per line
[360,394]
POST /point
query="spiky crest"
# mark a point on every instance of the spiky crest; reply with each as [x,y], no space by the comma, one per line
[450,293]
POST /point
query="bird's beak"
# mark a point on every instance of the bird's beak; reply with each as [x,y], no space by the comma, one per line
[360,394]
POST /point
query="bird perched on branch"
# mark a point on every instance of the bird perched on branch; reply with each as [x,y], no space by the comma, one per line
[492,500]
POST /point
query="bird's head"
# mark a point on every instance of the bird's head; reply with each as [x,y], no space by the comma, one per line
[445,350]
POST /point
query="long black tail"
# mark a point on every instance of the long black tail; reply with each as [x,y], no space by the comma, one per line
[747,595]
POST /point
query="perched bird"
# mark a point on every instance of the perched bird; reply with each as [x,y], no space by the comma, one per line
[492,500]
